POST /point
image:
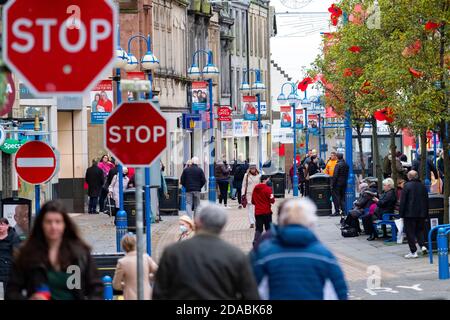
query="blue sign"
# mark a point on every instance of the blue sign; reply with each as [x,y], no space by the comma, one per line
[99,117]
[191,121]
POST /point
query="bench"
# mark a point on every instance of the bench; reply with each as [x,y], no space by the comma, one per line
[386,220]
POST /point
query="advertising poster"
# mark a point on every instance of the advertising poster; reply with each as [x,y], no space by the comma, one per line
[102,98]
[247,128]
[227,129]
[224,113]
[299,119]
[238,128]
[286,116]
[8,90]
[249,107]
[263,108]
[18,216]
[313,124]
[199,93]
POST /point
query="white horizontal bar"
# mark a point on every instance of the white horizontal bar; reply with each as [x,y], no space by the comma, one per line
[35,162]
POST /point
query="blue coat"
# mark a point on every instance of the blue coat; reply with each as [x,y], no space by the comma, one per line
[294,265]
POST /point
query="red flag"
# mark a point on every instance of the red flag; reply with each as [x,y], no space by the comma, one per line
[348,72]
[303,85]
[415,73]
[431,26]
[355,49]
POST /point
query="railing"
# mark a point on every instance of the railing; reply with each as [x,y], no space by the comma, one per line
[442,249]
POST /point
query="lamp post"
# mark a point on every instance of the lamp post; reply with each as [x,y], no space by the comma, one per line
[294,101]
[257,87]
[129,62]
[350,191]
[305,104]
[209,72]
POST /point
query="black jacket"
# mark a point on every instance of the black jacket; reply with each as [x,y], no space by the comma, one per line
[94,179]
[193,178]
[239,174]
[110,176]
[430,167]
[31,277]
[414,200]
[386,203]
[7,246]
[340,175]
[365,199]
[206,268]
[222,172]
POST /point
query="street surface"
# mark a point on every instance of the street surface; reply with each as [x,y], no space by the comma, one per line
[361,260]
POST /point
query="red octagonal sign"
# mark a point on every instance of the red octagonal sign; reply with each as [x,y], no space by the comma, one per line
[135,133]
[59,47]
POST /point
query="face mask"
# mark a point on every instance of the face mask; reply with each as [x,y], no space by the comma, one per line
[183,229]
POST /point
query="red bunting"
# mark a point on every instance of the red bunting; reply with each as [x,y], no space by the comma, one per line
[366,87]
[415,73]
[431,26]
[358,71]
[358,15]
[355,49]
[348,72]
[336,12]
[412,49]
[303,85]
[385,114]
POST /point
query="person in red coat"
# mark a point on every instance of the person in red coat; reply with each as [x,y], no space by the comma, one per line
[262,199]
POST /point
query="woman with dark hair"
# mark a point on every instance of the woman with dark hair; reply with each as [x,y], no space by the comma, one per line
[54,263]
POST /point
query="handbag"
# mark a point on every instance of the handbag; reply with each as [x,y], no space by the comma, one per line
[244,200]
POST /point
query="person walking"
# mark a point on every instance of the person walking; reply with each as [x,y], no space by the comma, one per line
[222,173]
[262,199]
[251,179]
[239,175]
[294,264]
[105,165]
[339,185]
[187,228]
[414,211]
[9,243]
[43,269]
[114,188]
[95,180]
[193,179]
[205,267]
[125,276]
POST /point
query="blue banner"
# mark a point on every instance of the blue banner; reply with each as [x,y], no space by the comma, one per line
[99,117]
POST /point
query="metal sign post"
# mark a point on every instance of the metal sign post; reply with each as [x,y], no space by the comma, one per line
[139,232]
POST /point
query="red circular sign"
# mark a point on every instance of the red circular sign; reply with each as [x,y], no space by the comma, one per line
[35,162]
[135,133]
[59,47]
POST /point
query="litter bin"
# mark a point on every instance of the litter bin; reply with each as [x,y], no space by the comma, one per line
[436,215]
[169,206]
[106,265]
[129,205]
[320,193]
[278,184]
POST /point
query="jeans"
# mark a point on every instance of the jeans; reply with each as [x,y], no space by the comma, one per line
[415,230]
[103,195]
[263,221]
[92,208]
[223,188]
[192,202]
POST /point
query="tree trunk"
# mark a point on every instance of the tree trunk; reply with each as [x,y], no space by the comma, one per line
[359,132]
[423,156]
[392,147]
[376,155]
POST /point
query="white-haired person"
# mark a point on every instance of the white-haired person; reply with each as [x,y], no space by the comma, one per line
[294,264]
[385,204]
[193,179]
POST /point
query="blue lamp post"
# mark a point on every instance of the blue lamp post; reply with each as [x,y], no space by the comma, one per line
[350,192]
[293,99]
[209,72]
[257,87]
[305,104]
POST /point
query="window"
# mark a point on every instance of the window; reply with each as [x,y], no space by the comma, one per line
[233,30]
[238,32]
[238,95]
[244,34]
[250,36]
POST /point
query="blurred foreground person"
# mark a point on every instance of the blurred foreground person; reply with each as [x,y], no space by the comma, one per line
[125,277]
[205,267]
[54,263]
[294,264]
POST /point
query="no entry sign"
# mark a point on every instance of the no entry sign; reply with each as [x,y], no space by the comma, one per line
[36,162]
[59,47]
[136,133]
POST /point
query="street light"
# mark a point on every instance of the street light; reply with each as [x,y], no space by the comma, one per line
[294,101]
[305,104]
[209,72]
[257,87]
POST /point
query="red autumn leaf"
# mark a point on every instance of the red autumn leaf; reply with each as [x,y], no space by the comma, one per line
[348,72]
[431,26]
[366,87]
[334,20]
[335,10]
[417,46]
[379,115]
[355,49]
[415,73]
[389,115]
[358,71]
[303,85]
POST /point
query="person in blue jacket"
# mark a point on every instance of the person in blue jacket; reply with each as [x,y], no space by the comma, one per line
[294,264]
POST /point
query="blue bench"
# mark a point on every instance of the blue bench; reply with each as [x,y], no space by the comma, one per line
[386,220]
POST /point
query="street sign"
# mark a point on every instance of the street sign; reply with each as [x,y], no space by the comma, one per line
[59,47]
[36,162]
[2,135]
[136,133]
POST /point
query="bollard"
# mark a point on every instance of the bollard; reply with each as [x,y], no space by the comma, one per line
[183,199]
[121,227]
[108,289]
[442,254]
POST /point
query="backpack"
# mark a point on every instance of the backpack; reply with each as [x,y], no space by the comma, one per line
[349,232]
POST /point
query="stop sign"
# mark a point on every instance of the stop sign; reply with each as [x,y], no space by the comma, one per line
[36,162]
[59,47]
[135,133]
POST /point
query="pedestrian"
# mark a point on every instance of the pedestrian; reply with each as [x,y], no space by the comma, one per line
[339,185]
[193,179]
[414,211]
[251,179]
[429,167]
[114,190]
[95,179]
[331,164]
[125,276]
[105,165]
[43,269]
[205,267]
[363,203]
[187,228]
[222,173]
[311,169]
[262,199]
[385,204]
[9,243]
[294,264]
[239,175]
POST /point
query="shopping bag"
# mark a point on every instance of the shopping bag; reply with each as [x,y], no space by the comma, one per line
[244,201]
[399,224]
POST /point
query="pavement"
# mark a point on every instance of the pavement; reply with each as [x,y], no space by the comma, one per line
[374,270]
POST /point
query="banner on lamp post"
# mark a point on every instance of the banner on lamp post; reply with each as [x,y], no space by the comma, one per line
[286,116]
[249,107]
[313,124]
[102,98]
[299,119]
[199,93]
[224,113]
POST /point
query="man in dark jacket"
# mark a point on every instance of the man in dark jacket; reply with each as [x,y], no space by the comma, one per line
[239,174]
[429,167]
[193,179]
[205,267]
[95,180]
[339,184]
[414,211]
[9,242]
